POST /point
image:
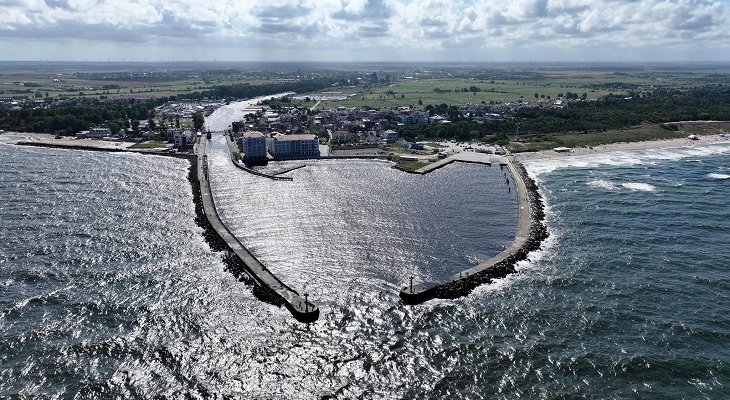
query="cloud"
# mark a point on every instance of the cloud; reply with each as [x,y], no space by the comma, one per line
[379,29]
[369,10]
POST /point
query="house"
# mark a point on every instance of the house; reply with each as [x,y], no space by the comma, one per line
[413,117]
[254,147]
[293,146]
[341,137]
[171,132]
[183,138]
[391,136]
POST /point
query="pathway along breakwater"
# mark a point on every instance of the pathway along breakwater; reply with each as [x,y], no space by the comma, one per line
[267,284]
[531,231]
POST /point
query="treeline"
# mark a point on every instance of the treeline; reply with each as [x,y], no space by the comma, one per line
[81,114]
[78,115]
[610,112]
[247,91]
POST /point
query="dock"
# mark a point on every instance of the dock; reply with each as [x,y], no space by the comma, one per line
[531,231]
[301,308]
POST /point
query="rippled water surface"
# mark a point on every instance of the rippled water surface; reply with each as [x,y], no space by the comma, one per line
[107,288]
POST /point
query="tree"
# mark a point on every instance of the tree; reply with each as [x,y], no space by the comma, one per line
[420,102]
[537,95]
[198,120]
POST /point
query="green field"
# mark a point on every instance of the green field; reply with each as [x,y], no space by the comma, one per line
[408,92]
[69,84]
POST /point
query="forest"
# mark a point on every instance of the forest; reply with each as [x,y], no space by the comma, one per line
[711,102]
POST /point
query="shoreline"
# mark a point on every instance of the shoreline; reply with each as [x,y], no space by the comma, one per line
[623,147]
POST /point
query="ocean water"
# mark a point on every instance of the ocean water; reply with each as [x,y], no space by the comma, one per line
[107,289]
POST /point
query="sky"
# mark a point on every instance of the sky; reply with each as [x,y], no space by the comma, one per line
[365,30]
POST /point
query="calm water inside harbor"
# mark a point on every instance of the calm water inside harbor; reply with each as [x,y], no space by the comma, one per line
[107,288]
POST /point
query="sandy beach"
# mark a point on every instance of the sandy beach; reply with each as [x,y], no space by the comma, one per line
[45,138]
[623,146]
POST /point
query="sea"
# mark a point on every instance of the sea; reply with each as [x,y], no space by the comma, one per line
[108,288]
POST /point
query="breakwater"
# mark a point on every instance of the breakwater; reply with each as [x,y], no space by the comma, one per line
[531,231]
[238,260]
[269,286]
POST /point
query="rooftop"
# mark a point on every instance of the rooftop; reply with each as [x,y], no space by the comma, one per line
[252,134]
[304,136]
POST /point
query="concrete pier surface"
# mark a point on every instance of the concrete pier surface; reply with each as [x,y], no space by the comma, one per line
[302,309]
[530,233]
[468,157]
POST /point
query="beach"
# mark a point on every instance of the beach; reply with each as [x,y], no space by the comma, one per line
[623,146]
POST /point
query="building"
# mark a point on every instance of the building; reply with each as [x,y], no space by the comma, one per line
[390,136]
[183,138]
[97,133]
[293,146]
[413,117]
[341,137]
[254,147]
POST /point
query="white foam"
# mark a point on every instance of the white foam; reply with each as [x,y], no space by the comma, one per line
[530,267]
[538,167]
[644,187]
[602,183]
[720,177]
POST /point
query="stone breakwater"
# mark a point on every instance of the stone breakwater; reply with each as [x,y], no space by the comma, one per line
[467,281]
[233,264]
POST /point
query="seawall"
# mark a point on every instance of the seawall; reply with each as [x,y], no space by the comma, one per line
[242,264]
[531,231]
[266,282]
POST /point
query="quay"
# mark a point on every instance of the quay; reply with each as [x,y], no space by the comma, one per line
[301,308]
[531,231]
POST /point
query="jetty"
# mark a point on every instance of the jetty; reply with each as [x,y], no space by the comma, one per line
[531,231]
[300,306]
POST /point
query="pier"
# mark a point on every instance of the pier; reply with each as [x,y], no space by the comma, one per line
[531,231]
[300,306]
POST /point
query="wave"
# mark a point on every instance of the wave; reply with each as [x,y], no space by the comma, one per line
[539,167]
[719,177]
[532,267]
[602,183]
[644,187]
[608,185]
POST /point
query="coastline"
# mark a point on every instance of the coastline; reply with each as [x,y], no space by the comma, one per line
[623,146]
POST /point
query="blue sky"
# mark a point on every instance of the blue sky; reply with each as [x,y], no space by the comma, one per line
[365,30]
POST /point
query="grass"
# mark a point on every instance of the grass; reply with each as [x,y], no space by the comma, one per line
[150,144]
[408,165]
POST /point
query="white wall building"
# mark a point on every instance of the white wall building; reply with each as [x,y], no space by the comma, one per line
[182,138]
[254,147]
[294,146]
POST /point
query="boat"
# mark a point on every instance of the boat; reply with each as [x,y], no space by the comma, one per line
[693,137]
